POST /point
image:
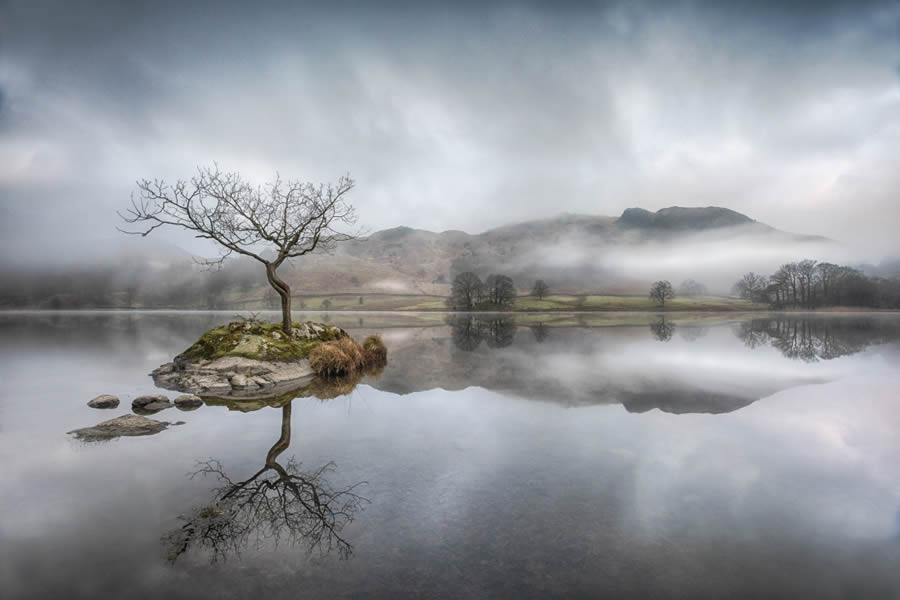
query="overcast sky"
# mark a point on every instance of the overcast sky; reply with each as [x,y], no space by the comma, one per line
[461,116]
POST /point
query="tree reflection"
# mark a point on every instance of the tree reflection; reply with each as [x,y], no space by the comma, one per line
[468,331]
[540,332]
[662,330]
[276,501]
[499,331]
[692,333]
[814,338]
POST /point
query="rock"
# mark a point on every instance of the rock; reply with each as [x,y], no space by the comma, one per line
[166,368]
[232,375]
[262,382]
[188,402]
[104,401]
[150,404]
[126,425]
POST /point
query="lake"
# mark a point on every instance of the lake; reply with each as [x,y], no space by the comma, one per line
[565,455]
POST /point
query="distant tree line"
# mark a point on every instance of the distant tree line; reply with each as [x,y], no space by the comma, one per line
[808,284]
[470,293]
[130,284]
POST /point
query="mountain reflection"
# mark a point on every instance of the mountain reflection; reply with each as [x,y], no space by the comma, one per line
[279,500]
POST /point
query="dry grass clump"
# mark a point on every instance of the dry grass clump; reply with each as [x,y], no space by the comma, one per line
[340,357]
[374,351]
[345,356]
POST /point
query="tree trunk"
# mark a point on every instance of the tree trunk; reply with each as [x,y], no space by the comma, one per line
[285,440]
[284,291]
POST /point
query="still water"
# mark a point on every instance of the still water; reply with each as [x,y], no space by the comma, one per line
[556,456]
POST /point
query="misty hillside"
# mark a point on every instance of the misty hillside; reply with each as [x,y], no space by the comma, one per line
[572,253]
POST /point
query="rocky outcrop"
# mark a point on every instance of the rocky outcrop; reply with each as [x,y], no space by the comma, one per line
[188,402]
[232,375]
[104,401]
[150,404]
[126,425]
[246,358]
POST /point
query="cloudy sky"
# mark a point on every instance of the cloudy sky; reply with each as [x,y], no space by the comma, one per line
[455,115]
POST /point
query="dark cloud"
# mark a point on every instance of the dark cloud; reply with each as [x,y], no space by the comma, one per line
[460,116]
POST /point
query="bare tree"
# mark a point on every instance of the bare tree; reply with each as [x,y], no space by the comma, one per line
[499,290]
[270,223]
[466,292]
[828,275]
[751,287]
[540,289]
[661,291]
[806,273]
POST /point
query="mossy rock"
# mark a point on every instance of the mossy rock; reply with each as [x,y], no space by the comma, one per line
[261,341]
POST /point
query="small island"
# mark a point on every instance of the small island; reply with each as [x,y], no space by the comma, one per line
[252,358]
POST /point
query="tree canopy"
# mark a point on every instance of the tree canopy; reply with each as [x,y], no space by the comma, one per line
[499,291]
[271,223]
[661,291]
[466,292]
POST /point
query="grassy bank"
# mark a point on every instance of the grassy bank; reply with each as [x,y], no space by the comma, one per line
[557,302]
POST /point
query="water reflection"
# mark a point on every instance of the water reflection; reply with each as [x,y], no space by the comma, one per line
[662,330]
[497,331]
[540,332]
[811,338]
[496,491]
[279,500]
[731,367]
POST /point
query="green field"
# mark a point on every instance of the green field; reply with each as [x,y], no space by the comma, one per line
[589,303]
[636,303]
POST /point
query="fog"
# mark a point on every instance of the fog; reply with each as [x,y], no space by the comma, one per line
[716,259]
[464,117]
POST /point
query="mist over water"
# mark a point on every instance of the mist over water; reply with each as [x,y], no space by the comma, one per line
[549,455]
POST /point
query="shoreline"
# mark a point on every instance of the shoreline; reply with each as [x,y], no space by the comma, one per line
[680,311]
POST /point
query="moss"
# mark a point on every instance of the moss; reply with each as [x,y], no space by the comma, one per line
[262,341]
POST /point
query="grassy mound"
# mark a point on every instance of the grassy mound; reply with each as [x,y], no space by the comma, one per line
[262,341]
[375,351]
[346,356]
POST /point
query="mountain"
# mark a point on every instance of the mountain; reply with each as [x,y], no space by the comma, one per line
[572,252]
[677,218]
